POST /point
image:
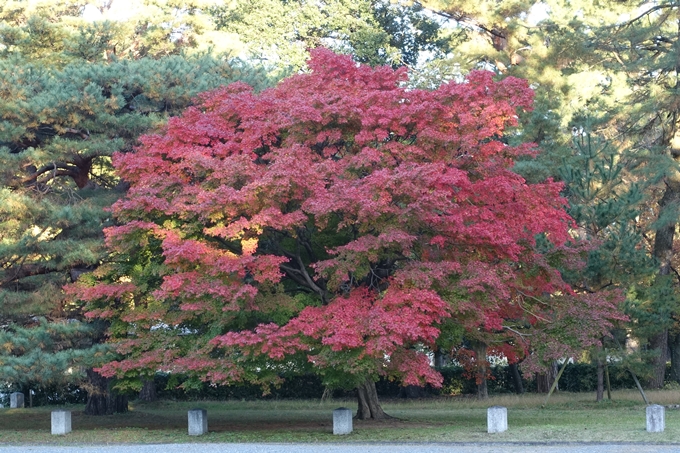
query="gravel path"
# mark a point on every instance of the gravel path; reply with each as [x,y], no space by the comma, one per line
[354,448]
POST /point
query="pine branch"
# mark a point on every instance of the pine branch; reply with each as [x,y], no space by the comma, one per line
[57,169]
[81,134]
[24,271]
[463,19]
[648,12]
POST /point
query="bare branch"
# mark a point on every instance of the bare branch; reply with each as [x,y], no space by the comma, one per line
[517,332]
[310,282]
[463,19]
[530,312]
[81,134]
[300,274]
[648,12]
[70,170]
[675,272]
[23,271]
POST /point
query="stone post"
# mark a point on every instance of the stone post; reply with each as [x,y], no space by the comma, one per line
[497,419]
[198,422]
[61,422]
[16,400]
[656,418]
[342,421]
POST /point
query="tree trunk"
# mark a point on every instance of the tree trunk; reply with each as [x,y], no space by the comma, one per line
[148,392]
[101,400]
[482,370]
[609,384]
[542,382]
[600,380]
[369,406]
[663,252]
[545,380]
[438,358]
[659,343]
[674,350]
[412,391]
[516,378]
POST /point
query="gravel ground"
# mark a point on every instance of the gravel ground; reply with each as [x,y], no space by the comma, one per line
[354,448]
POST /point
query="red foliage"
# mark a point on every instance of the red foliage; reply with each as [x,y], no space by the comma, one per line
[395,208]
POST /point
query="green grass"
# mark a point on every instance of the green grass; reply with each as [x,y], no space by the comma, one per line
[568,417]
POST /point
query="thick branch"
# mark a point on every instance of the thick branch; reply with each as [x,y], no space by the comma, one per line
[79,133]
[464,19]
[79,171]
[648,12]
[302,278]
[300,274]
[517,332]
[12,275]
[52,166]
[309,280]
[303,239]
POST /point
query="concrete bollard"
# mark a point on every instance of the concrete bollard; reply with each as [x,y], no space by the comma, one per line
[342,421]
[656,418]
[16,400]
[497,419]
[61,422]
[198,422]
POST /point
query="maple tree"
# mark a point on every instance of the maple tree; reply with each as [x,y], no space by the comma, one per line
[337,222]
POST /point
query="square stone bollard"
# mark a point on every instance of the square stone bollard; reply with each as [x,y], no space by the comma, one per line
[342,421]
[16,400]
[656,421]
[497,419]
[198,422]
[61,422]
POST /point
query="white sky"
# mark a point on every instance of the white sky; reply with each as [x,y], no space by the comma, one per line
[121,10]
[538,12]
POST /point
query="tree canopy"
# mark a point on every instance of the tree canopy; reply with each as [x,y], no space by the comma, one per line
[336,222]
[373,31]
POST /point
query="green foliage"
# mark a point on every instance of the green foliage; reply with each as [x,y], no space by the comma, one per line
[72,93]
[606,208]
[375,32]
[48,353]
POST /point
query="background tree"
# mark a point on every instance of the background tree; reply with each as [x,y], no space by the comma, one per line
[645,46]
[375,32]
[69,99]
[607,67]
[606,204]
[331,224]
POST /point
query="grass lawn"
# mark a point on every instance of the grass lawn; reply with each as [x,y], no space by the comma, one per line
[569,417]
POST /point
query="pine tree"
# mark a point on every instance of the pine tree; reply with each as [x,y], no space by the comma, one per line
[69,98]
[614,65]
[646,47]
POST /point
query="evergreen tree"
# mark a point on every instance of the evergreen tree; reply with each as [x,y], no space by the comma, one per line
[612,65]
[69,98]
[647,47]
